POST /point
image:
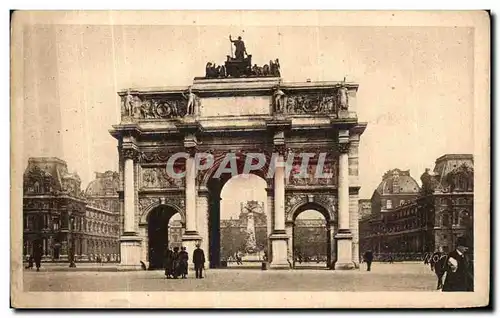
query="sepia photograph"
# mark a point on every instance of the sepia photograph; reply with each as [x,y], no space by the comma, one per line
[257,159]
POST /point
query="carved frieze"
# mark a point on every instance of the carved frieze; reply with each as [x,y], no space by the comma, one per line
[328,175]
[158,107]
[310,104]
[158,177]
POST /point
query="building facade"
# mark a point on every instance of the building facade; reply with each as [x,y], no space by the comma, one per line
[53,210]
[236,113]
[62,220]
[102,222]
[442,212]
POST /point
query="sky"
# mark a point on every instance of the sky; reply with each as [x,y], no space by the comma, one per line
[411,79]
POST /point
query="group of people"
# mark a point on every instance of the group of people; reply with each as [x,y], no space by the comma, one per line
[176,262]
[455,268]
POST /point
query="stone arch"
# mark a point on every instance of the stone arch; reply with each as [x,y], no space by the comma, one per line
[147,210]
[300,203]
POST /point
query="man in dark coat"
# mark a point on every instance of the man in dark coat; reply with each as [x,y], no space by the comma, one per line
[175,263]
[168,263]
[183,262]
[459,275]
[37,256]
[199,261]
[368,257]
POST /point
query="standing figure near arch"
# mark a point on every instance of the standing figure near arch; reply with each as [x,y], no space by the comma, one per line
[183,262]
[169,263]
[199,261]
[368,258]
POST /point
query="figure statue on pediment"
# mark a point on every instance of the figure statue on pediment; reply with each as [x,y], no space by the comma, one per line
[342,97]
[265,70]
[191,100]
[240,49]
[274,68]
[279,100]
[131,103]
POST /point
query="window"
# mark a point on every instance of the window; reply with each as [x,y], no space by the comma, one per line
[389,204]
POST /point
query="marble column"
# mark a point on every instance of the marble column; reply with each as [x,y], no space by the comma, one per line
[130,242]
[190,194]
[279,237]
[190,237]
[344,236]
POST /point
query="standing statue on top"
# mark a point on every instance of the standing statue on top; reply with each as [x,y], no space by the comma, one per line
[191,99]
[279,100]
[240,48]
[342,96]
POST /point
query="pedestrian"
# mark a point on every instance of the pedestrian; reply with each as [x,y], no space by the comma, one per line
[37,256]
[168,263]
[30,262]
[175,263]
[199,261]
[368,257]
[459,274]
[183,262]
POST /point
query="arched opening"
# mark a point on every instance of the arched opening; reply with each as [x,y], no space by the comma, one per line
[164,230]
[239,225]
[312,244]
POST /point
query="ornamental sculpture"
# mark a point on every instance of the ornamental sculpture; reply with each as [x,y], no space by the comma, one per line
[279,100]
[240,64]
[311,104]
[168,107]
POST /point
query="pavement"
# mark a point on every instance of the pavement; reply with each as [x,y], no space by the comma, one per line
[383,277]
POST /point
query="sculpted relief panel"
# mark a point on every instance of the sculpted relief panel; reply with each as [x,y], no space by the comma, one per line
[329,103]
[157,177]
[159,107]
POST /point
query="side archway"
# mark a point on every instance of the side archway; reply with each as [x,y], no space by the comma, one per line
[311,239]
[156,231]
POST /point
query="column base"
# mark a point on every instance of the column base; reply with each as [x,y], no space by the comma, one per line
[130,252]
[344,250]
[279,247]
[189,240]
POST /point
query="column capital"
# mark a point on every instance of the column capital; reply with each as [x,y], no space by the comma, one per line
[343,147]
[130,153]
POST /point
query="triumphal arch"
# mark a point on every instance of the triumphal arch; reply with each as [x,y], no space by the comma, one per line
[231,118]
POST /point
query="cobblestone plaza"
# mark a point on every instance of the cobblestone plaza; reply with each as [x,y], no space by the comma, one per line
[383,277]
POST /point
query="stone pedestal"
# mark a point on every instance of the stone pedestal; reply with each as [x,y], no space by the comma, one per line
[344,251]
[280,252]
[130,252]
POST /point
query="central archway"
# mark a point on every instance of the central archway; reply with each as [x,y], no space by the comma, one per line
[234,231]
[162,233]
